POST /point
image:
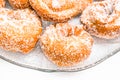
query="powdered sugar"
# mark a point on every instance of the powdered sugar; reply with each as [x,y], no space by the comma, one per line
[59,10]
[19,29]
[55,3]
[63,43]
[102,15]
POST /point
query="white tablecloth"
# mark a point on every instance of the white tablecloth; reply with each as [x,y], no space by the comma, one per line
[108,70]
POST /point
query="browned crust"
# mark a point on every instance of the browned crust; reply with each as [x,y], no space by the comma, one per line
[107,27]
[18,30]
[19,4]
[62,14]
[65,44]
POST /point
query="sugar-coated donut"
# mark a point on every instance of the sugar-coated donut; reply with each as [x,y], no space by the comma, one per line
[59,10]
[65,44]
[19,30]
[19,4]
[2,3]
[102,19]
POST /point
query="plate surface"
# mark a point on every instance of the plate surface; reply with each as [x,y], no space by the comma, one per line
[102,49]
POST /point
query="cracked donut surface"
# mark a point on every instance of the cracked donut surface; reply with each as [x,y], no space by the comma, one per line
[65,44]
[59,10]
[19,30]
[102,19]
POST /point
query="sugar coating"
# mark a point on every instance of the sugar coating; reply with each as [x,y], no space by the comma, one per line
[19,29]
[19,4]
[102,19]
[66,44]
[59,10]
[56,4]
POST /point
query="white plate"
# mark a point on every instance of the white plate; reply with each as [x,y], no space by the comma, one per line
[102,49]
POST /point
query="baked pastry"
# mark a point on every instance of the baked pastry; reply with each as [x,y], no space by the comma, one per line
[59,10]
[65,44]
[102,19]
[2,3]
[19,30]
[19,4]
[98,0]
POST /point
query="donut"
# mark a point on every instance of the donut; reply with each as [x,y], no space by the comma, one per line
[2,3]
[58,10]
[102,19]
[19,30]
[19,4]
[65,44]
[98,0]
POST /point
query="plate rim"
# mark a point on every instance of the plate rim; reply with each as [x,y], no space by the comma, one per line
[58,70]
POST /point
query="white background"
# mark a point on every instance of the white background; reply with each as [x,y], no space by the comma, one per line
[107,70]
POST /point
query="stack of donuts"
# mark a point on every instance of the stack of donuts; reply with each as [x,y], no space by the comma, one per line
[62,43]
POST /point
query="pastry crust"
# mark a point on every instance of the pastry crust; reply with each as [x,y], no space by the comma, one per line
[2,3]
[19,30]
[102,19]
[19,4]
[59,10]
[65,44]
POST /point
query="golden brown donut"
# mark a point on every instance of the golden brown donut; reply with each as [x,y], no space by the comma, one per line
[19,30]
[102,19]
[98,0]
[19,4]
[65,44]
[2,3]
[59,10]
